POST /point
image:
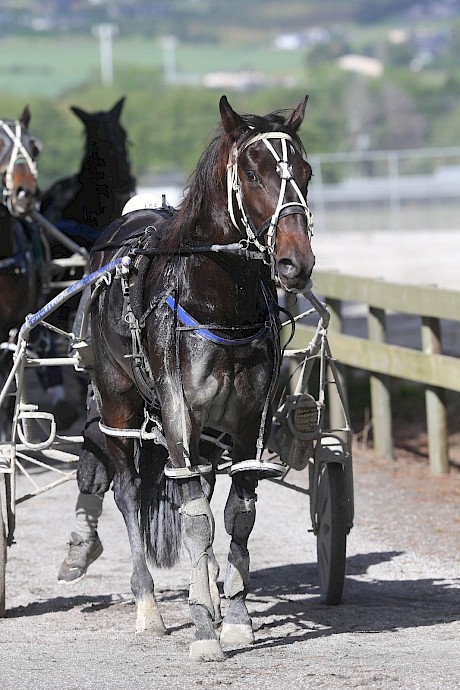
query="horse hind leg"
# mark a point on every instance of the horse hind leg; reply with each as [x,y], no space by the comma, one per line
[198,532]
[126,488]
[239,518]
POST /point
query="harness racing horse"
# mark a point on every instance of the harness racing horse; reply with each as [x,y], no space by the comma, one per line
[19,276]
[19,190]
[186,349]
[85,203]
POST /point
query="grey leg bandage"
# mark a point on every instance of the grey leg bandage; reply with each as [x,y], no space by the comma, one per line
[239,518]
[198,530]
[87,513]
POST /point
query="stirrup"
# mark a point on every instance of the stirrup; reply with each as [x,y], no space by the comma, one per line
[187,472]
[266,468]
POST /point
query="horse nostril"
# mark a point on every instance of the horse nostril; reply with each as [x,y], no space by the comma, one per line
[287,268]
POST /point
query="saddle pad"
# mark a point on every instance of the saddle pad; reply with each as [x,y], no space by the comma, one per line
[146,233]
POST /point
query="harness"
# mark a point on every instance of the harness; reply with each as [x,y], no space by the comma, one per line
[284,170]
[19,154]
[185,322]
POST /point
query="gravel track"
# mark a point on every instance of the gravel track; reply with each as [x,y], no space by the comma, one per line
[397,627]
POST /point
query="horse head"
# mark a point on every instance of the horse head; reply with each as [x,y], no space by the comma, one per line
[106,141]
[267,181]
[18,169]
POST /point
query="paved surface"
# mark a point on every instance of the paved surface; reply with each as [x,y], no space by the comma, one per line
[418,258]
[397,627]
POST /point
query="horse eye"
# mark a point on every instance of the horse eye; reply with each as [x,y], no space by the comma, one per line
[36,148]
[251,176]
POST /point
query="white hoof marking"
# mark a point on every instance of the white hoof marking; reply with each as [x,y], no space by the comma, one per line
[206,650]
[236,634]
[149,618]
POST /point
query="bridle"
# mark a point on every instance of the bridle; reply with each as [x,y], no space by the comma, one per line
[19,154]
[284,170]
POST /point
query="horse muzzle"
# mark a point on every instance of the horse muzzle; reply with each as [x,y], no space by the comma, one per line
[295,274]
[21,203]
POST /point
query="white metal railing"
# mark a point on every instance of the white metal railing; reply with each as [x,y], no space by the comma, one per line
[380,190]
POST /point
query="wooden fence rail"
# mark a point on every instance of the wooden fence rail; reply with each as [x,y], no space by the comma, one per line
[436,371]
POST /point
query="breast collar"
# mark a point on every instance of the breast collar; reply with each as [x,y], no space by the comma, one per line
[205,333]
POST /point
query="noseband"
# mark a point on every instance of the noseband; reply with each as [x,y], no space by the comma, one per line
[19,154]
[284,170]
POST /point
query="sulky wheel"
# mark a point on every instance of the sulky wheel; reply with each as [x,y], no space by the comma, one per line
[2,554]
[332,531]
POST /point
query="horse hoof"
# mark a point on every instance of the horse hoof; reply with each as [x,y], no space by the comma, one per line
[206,650]
[158,630]
[236,634]
[149,619]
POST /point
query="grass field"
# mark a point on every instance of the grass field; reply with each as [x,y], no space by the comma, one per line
[51,66]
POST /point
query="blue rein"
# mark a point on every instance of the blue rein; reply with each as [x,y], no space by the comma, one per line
[188,321]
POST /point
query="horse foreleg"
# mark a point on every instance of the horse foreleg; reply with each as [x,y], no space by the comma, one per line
[126,489]
[208,483]
[198,532]
[239,518]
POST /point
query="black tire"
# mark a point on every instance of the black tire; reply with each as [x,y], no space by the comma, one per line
[2,553]
[331,540]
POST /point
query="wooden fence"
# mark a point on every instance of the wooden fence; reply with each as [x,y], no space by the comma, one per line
[428,366]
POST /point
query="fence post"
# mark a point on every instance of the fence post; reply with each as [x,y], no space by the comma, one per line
[336,415]
[436,416]
[380,390]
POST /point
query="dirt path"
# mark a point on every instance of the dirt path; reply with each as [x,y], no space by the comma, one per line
[398,625]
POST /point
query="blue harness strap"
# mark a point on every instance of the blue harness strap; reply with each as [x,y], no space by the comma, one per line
[188,321]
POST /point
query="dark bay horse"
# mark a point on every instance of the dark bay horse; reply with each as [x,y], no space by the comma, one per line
[19,192]
[186,343]
[85,203]
[19,274]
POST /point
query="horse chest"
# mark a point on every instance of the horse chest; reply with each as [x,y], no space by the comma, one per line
[225,381]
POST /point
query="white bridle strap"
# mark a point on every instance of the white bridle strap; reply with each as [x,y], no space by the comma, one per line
[19,150]
[283,169]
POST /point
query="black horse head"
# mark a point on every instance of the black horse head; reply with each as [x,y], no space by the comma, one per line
[96,195]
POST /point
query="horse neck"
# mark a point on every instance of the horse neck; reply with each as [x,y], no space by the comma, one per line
[103,171]
[222,289]
[219,288]
[105,189]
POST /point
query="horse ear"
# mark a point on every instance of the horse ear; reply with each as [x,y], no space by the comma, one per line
[295,119]
[230,119]
[81,114]
[25,117]
[117,108]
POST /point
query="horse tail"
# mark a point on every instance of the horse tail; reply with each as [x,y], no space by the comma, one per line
[159,510]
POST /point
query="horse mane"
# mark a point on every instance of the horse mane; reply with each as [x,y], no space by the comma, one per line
[205,199]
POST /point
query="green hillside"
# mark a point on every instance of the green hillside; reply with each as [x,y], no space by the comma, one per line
[51,60]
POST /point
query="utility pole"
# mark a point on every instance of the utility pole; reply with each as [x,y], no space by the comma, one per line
[105,33]
[169,59]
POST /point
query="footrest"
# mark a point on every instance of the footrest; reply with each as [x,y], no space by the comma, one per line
[294,429]
[36,416]
[266,469]
[187,472]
